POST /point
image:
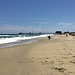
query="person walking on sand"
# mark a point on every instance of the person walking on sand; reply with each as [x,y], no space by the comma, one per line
[49,37]
[66,35]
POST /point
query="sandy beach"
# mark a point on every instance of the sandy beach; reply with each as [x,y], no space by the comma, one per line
[45,57]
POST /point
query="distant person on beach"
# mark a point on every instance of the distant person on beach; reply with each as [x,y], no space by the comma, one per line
[66,35]
[49,37]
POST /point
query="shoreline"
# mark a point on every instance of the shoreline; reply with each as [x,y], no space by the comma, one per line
[44,57]
[17,43]
[4,39]
[23,41]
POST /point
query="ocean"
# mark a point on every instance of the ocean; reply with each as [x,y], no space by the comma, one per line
[9,40]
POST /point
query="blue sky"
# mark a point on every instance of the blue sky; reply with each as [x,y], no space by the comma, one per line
[37,15]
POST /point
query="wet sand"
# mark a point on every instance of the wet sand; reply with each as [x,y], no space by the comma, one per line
[45,57]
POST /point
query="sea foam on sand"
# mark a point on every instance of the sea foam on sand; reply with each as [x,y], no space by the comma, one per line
[14,39]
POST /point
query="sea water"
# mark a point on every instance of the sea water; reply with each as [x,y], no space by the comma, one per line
[16,39]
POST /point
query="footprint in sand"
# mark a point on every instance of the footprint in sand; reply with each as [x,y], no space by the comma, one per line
[60,69]
[72,62]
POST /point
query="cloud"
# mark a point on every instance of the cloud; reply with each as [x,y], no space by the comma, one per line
[44,22]
[66,24]
[24,18]
[10,29]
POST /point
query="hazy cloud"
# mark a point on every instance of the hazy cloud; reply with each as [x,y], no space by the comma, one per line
[17,29]
[66,24]
[24,18]
[44,22]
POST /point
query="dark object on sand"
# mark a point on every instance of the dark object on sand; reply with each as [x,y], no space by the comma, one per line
[66,35]
[66,32]
[49,37]
[72,33]
[58,32]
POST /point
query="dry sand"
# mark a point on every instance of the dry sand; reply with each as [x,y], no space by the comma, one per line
[45,57]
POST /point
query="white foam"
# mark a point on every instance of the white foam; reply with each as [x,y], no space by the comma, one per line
[4,35]
[14,39]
